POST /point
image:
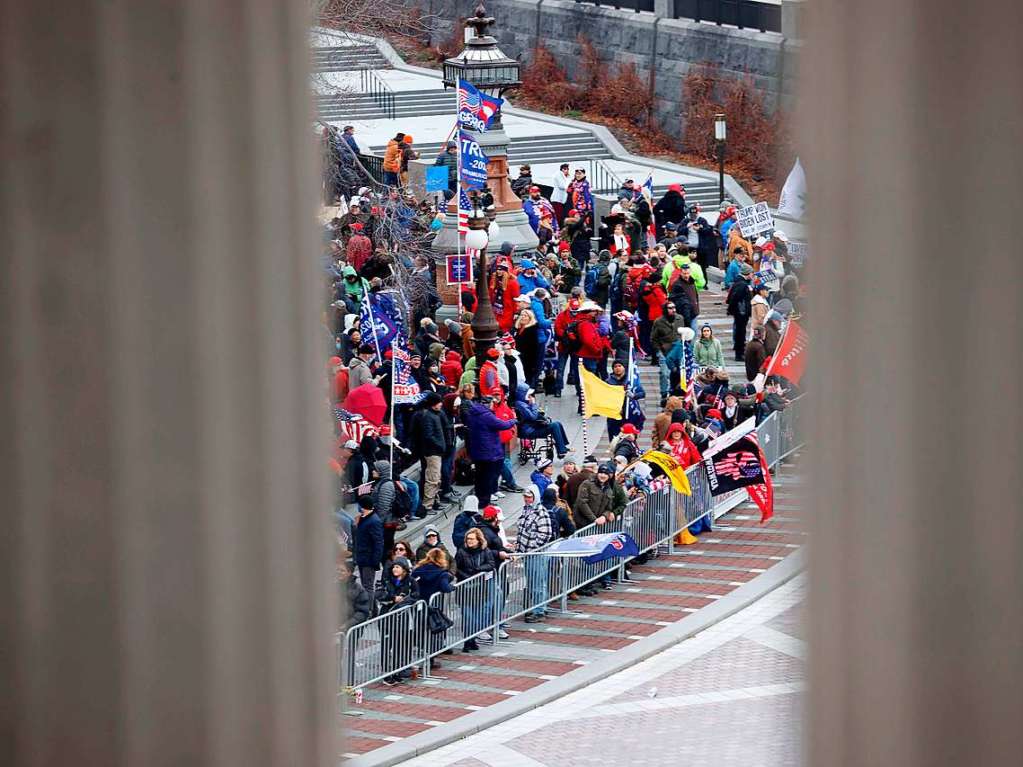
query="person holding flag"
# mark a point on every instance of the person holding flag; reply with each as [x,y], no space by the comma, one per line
[624,374]
[645,211]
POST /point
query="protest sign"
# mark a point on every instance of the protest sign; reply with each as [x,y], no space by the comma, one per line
[754,220]
[436,178]
[459,269]
[474,162]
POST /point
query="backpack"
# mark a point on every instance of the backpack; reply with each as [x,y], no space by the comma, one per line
[597,278]
[401,508]
[630,290]
[571,341]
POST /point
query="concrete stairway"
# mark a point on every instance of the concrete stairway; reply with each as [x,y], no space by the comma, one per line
[346,58]
[364,106]
[570,147]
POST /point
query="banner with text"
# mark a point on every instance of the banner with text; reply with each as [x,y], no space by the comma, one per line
[755,220]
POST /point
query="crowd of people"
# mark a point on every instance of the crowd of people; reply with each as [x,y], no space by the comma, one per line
[634,299]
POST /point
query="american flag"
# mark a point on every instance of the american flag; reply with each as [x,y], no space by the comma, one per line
[352,425]
[405,389]
[464,207]
[648,194]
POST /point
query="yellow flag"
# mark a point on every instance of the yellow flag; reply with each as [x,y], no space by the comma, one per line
[600,398]
[671,467]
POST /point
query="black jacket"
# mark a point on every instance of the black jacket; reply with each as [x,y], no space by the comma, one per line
[494,542]
[671,207]
[388,591]
[470,562]
[431,580]
[428,437]
[368,544]
[685,298]
[739,298]
[707,247]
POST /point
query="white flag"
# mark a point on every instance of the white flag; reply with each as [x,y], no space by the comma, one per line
[792,203]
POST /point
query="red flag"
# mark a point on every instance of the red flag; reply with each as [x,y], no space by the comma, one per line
[789,358]
[762,495]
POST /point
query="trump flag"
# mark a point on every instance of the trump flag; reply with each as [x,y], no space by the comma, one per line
[789,358]
[742,465]
[476,109]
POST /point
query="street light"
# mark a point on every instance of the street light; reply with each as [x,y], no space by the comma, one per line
[720,134]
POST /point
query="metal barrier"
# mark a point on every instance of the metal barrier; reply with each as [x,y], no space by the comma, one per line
[603,180]
[402,639]
[744,14]
[372,83]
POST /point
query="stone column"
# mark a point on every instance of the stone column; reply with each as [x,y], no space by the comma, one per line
[167,576]
[911,146]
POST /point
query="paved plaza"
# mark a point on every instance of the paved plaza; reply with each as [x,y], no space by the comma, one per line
[731,695]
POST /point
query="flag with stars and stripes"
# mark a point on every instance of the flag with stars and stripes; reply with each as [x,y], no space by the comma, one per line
[404,389]
[464,208]
[647,191]
[352,425]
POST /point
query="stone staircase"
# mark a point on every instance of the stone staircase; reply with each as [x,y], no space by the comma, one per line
[535,150]
[346,58]
[365,106]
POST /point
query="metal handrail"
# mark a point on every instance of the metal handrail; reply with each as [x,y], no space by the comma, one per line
[372,83]
[603,180]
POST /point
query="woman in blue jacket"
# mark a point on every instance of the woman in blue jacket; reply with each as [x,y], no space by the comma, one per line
[485,447]
[433,576]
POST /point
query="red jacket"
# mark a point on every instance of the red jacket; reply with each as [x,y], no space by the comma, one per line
[506,317]
[561,322]
[594,345]
[451,369]
[655,298]
[490,381]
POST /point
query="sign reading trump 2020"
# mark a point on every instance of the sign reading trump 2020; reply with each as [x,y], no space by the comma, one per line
[755,219]
[474,162]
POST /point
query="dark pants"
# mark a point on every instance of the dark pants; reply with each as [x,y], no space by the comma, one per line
[572,362]
[739,336]
[447,470]
[368,576]
[487,473]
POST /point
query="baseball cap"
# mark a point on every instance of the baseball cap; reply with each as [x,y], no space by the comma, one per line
[491,512]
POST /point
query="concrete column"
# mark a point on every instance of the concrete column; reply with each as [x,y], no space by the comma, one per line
[664,8]
[911,146]
[166,570]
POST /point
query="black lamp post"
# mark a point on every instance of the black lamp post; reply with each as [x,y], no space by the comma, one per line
[485,330]
[720,134]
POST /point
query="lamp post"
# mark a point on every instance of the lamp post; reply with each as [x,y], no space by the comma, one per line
[720,134]
[485,329]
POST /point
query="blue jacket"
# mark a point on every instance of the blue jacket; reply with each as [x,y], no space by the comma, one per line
[432,580]
[732,272]
[464,522]
[530,425]
[527,284]
[544,324]
[540,479]
[368,548]
[485,433]
[676,356]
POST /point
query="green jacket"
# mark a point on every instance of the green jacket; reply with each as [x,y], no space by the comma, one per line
[708,353]
[664,332]
[694,269]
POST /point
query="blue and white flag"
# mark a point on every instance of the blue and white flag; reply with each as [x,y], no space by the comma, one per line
[476,109]
[404,389]
[473,164]
[380,321]
[595,548]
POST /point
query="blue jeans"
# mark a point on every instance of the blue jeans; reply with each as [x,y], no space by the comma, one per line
[536,582]
[664,374]
[572,363]
[390,179]
[506,472]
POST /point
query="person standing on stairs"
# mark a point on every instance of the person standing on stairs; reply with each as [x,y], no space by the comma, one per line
[740,307]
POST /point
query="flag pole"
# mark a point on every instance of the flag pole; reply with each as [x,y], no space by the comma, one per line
[393,436]
[372,324]
[458,187]
[628,381]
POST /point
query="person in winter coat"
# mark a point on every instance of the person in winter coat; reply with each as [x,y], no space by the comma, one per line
[535,206]
[595,503]
[521,185]
[580,198]
[633,394]
[468,518]
[431,540]
[739,306]
[382,496]
[685,295]
[707,349]
[473,558]
[451,368]
[598,279]
[755,354]
[559,191]
[493,533]
[529,277]
[535,531]
[664,419]
[359,372]
[504,288]
[392,160]
[355,603]
[759,307]
[671,207]
[397,592]
[434,574]
[430,443]
[732,270]
[368,542]
[663,336]
[543,475]
[485,447]
[682,447]
[561,515]
[355,286]
[533,424]
[772,332]
[527,342]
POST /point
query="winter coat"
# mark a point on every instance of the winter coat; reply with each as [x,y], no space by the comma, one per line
[359,250]
[708,353]
[772,338]
[571,490]
[671,207]
[528,284]
[390,589]
[654,297]
[754,357]
[520,186]
[527,344]
[531,425]
[686,298]
[451,368]
[383,491]
[449,160]
[571,272]
[760,308]
[470,562]
[358,373]
[485,433]
[494,540]
[356,605]
[464,522]
[535,528]
[664,332]
[594,345]
[431,579]
[428,433]
[561,517]
[541,480]
[628,448]
[594,500]
[738,299]
[368,541]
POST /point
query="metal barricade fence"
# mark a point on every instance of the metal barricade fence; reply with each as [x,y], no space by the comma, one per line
[383,646]
[399,640]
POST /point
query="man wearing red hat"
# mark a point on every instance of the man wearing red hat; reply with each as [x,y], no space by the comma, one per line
[535,206]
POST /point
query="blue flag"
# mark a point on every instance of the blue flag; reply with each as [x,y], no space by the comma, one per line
[474,162]
[476,109]
[595,548]
[380,321]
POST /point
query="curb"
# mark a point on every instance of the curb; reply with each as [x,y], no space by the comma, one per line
[463,727]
